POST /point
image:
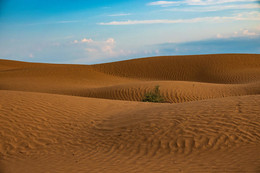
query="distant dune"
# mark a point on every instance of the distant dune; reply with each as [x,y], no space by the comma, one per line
[182,78]
[200,68]
[215,127]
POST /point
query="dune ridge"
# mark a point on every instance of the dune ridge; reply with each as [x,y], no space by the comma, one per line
[226,68]
[88,118]
[181,78]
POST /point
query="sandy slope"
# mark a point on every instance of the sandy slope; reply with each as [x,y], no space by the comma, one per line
[201,68]
[45,127]
[45,132]
[183,78]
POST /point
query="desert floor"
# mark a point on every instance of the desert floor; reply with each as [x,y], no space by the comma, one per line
[90,118]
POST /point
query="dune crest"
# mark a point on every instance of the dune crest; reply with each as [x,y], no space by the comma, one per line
[226,68]
[181,78]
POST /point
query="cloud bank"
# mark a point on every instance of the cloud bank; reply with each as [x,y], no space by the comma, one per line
[254,16]
[212,46]
[215,8]
[196,2]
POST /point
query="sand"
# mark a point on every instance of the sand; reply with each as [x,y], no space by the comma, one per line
[89,118]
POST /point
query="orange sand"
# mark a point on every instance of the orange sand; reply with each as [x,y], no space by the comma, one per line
[213,127]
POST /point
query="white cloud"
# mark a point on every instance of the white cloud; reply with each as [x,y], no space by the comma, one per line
[120,14]
[240,33]
[241,16]
[109,46]
[246,32]
[196,2]
[214,2]
[95,48]
[215,8]
[164,3]
[85,40]
[111,41]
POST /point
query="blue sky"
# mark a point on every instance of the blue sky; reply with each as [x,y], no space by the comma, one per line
[89,32]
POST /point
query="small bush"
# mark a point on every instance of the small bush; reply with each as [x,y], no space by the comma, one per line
[153,96]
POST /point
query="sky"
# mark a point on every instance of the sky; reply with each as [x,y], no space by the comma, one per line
[100,31]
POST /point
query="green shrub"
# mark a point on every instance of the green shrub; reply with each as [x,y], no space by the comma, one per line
[153,96]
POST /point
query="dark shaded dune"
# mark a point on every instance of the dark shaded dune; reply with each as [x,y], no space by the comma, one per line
[226,68]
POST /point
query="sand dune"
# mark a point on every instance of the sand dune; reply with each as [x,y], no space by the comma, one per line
[43,132]
[172,91]
[214,127]
[183,78]
[201,68]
